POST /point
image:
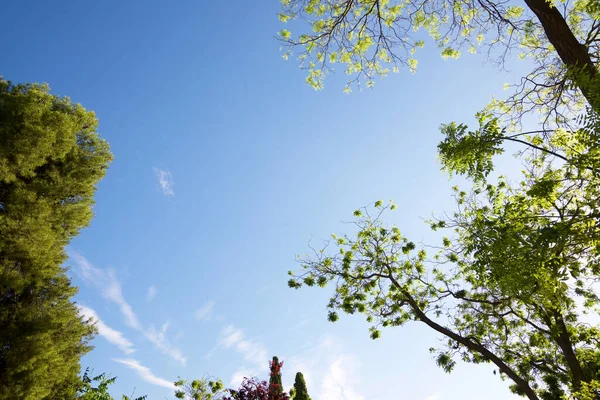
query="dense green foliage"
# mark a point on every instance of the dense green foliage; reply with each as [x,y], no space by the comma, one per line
[50,161]
[299,392]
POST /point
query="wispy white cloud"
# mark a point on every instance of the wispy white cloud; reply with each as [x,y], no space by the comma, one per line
[435,396]
[329,371]
[238,376]
[300,325]
[159,339]
[106,282]
[341,375]
[113,292]
[205,312]
[165,181]
[151,293]
[252,351]
[113,336]
[145,373]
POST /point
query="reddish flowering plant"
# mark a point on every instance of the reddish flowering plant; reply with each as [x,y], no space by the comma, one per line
[250,389]
[275,384]
[254,389]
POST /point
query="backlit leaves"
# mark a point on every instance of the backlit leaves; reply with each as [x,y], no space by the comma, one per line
[470,153]
[516,269]
[375,37]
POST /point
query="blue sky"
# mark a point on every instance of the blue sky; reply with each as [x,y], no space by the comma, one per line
[226,165]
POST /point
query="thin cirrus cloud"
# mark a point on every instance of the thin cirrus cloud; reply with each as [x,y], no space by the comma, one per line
[205,312]
[145,373]
[152,291]
[110,288]
[328,367]
[159,339]
[106,282]
[111,335]
[252,351]
[238,376]
[337,382]
[165,182]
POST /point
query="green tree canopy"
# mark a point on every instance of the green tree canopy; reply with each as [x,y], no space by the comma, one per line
[371,38]
[200,389]
[87,390]
[510,285]
[50,161]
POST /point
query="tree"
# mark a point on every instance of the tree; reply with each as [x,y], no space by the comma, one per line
[509,286]
[375,37]
[250,389]
[300,392]
[88,391]
[50,161]
[199,389]
[253,389]
[275,384]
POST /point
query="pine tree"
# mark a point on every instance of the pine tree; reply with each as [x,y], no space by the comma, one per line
[50,161]
[300,391]
[275,384]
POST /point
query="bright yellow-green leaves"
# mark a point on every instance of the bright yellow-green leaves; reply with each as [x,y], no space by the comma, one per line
[376,37]
[412,64]
[372,38]
[471,153]
[519,259]
[363,44]
[449,52]
[51,160]
[285,34]
[548,89]
[315,76]
[199,389]
[513,12]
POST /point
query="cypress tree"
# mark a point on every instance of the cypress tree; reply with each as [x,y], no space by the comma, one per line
[50,161]
[275,384]
[300,391]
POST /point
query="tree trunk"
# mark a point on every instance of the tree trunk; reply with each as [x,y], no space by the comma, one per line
[564,342]
[473,346]
[521,383]
[571,52]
